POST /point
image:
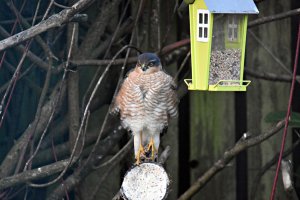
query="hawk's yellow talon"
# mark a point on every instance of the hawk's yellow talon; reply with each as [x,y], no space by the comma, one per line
[141,152]
[153,149]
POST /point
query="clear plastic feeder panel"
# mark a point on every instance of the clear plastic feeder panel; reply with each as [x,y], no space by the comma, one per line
[225,58]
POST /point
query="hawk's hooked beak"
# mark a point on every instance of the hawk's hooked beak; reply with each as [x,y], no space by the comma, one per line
[144,67]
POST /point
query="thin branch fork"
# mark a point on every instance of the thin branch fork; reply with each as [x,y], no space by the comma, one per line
[166,50]
[55,20]
[245,142]
[276,17]
[34,174]
[105,147]
[24,22]
[30,55]
[241,145]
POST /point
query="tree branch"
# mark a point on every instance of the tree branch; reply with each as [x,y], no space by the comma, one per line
[268,165]
[104,148]
[81,172]
[97,29]
[264,20]
[24,22]
[12,157]
[244,143]
[34,174]
[53,21]
[31,56]
[73,89]
[166,50]
[270,76]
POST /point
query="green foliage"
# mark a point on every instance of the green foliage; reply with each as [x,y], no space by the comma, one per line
[279,115]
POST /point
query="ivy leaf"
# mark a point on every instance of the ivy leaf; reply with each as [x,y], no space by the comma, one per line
[273,117]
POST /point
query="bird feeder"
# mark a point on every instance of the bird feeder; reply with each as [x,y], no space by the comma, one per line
[218,37]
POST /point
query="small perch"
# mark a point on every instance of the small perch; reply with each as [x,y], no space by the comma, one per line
[147,181]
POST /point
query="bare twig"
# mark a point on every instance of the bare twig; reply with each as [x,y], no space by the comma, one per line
[78,136]
[118,196]
[38,173]
[43,134]
[38,112]
[118,155]
[13,69]
[105,46]
[97,29]
[61,6]
[268,50]
[31,56]
[182,65]
[102,62]
[42,97]
[73,88]
[117,30]
[35,13]
[39,40]
[93,81]
[171,47]
[120,78]
[241,145]
[85,114]
[9,163]
[166,50]
[87,107]
[267,166]
[271,18]
[48,10]
[11,84]
[111,163]
[34,174]
[269,76]
[55,20]
[103,148]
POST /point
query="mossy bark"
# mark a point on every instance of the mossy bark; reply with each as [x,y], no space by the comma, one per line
[212,131]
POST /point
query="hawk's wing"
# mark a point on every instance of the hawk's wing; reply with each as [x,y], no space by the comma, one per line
[173,99]
[115,108]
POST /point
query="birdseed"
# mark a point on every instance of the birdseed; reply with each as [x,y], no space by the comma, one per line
[147,181]
[225,65]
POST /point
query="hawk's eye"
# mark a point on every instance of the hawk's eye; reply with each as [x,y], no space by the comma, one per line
[151,64]
[138,64]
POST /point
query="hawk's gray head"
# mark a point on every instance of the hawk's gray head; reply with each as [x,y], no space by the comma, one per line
[148,63]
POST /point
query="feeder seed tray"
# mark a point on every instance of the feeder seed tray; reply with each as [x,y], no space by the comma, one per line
[147,181]
[225,65]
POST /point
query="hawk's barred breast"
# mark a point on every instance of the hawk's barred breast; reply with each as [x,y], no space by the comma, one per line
[147,100]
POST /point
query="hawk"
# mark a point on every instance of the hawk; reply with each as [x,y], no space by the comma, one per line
[146,101]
